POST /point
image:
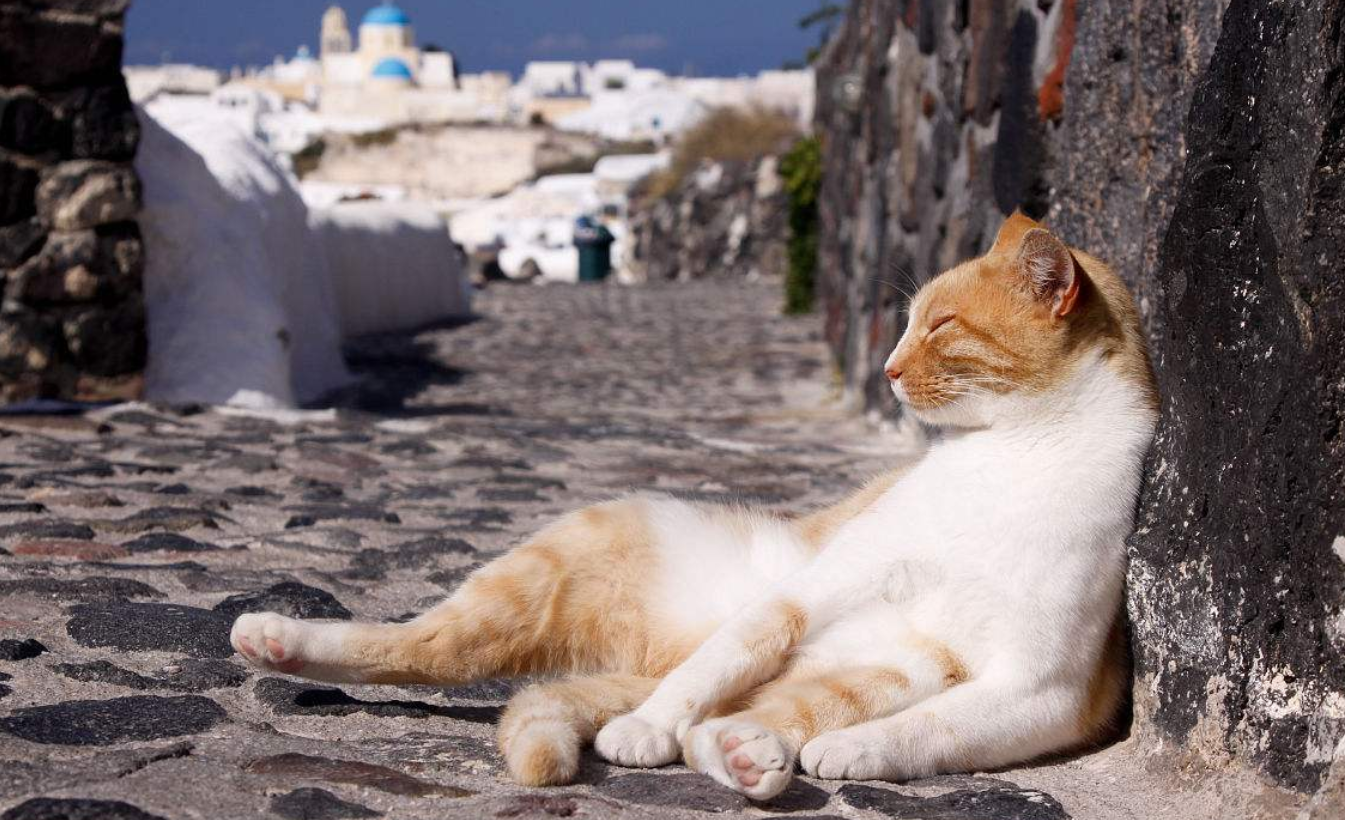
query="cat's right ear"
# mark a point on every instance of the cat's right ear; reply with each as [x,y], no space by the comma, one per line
[1047,269]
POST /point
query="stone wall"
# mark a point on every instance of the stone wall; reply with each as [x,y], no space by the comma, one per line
[1199,146]
[72,320]
[726,219]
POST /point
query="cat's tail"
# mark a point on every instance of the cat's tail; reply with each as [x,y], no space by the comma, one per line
[546,725]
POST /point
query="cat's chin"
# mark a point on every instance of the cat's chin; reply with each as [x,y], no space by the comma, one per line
[953,414]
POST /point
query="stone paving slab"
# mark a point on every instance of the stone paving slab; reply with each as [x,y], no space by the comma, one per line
[131,537]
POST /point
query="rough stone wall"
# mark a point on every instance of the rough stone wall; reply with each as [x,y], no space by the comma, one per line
[726,219]
[1198,146]
[1238,566]
[72,320]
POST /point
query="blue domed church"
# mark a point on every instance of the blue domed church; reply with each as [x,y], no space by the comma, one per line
[384,57]
[381,76]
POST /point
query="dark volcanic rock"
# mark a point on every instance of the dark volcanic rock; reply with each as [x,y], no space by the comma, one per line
[165,627]
[186,675]
[685,791]
[287,598]
[509,494]
[12,649]
[373,564]
[61,808]
[1238,561]
[167,542]
[105,672]
[292,697]
[344,512]
[971,804]
[104,722]
[364,775]
[480,519]
[317,804]
[81,589]
[202,674]
[21,507]
[253,492]
[47,530]
[799,796]
[174,519]
[494,689]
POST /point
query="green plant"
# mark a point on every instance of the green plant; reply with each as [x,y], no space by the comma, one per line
[801,170]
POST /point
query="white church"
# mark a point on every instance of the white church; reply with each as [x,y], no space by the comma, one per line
[382,74]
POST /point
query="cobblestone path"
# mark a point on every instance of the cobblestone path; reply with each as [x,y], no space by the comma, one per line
[131,537]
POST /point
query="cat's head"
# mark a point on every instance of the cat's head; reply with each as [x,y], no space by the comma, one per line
[997,334]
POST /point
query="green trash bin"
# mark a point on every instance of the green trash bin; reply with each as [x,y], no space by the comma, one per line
[594,243]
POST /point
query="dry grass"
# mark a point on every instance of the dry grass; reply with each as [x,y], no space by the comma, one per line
[726,134]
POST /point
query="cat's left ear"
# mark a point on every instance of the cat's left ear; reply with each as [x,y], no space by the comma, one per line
[1046,264]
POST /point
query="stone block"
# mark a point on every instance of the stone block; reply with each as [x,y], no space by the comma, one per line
[28,343]
[51,50]
[97,8]
[30,126]
[18,184]
[107,340]
[87,193]
[20,241]
[103,124]
[81,266]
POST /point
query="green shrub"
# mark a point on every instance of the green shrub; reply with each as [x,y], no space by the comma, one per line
[801,170]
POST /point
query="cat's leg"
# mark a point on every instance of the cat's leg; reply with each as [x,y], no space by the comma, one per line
[570,599]
[751,648]
[980,725]
[753,751]
[546,725]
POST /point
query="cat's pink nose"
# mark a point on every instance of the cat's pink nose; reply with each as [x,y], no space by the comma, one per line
[893,372]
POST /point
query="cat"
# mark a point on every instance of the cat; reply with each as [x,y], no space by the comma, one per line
[958,614]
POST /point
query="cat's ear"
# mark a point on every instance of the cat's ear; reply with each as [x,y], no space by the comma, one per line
[1048,270]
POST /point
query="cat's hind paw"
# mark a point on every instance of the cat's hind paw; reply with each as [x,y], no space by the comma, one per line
[744,756]
[633,741]
[269,641]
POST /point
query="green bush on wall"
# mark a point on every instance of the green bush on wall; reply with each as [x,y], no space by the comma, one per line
[801,170]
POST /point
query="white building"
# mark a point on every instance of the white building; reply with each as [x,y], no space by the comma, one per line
[382,74]
[146,81]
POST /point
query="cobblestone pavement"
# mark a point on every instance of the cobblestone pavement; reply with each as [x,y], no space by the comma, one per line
[132,537]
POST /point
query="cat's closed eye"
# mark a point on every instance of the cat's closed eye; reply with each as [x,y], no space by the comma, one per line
[941,322]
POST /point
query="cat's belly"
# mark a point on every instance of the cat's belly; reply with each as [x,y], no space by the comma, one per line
[713,561]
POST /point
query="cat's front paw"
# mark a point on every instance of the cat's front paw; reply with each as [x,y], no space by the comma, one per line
[844,755]
[269,641]
[633,741]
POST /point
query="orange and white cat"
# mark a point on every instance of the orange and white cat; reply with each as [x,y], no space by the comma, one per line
[960,614]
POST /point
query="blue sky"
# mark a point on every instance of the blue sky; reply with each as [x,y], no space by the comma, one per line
[707,37]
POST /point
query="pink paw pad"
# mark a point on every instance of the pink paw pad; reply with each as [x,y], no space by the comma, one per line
[277,651]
